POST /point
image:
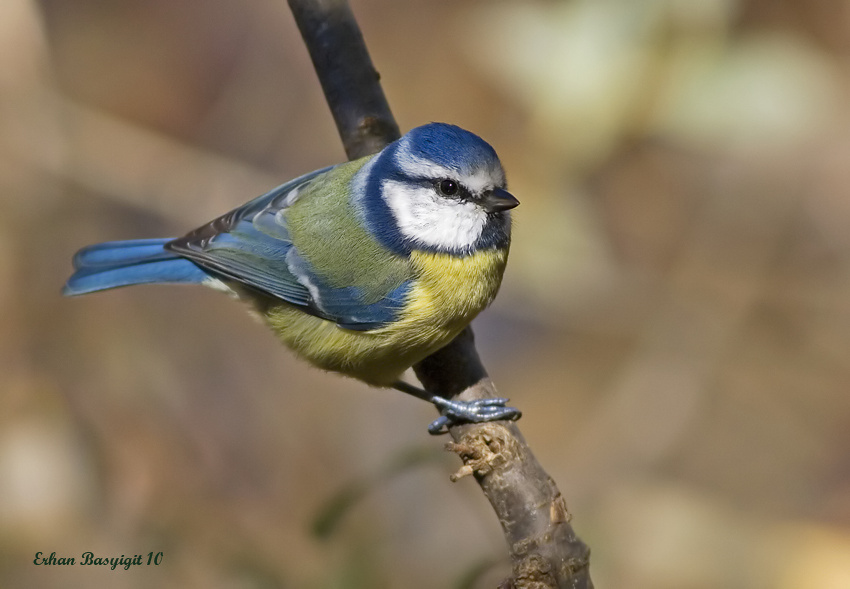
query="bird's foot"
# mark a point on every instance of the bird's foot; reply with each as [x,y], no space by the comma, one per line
[478,411]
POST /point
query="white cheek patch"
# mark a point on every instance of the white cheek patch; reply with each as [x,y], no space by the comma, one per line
[432,220]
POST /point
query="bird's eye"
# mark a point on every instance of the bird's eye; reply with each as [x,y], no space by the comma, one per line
[448,187]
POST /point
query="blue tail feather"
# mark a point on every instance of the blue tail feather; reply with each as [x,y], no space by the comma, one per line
[122,263]
[125,252]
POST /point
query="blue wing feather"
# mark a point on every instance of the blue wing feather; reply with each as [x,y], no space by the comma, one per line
[252,246]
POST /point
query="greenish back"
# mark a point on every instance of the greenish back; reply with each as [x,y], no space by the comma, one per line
[329,235]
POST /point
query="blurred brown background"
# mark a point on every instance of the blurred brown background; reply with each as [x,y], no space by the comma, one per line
[675,320]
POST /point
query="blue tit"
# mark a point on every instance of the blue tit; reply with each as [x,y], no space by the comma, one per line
[364,268]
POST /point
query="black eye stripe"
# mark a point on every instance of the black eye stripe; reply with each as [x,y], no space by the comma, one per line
[462,193]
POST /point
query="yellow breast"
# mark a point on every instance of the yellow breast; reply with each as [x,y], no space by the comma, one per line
[446,295]
[451,291]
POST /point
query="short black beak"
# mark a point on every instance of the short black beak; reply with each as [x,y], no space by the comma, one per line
[497,200]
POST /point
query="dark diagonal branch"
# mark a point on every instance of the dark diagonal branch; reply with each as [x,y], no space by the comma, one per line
[348,78]
[544,549]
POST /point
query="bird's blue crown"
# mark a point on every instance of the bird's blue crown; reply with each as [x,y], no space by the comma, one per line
[453,148]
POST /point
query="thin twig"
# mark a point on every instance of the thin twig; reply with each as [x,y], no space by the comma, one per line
[544,549]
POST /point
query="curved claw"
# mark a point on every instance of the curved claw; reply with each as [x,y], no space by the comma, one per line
[435,428]
[478,411]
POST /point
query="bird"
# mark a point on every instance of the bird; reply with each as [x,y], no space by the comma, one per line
[364,268]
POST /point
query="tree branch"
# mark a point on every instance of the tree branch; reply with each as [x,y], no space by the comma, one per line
[544,549]
[348,78]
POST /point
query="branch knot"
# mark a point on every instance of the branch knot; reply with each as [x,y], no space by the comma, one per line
[482,449]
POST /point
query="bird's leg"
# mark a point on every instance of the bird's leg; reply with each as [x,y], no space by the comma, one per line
[458,412]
